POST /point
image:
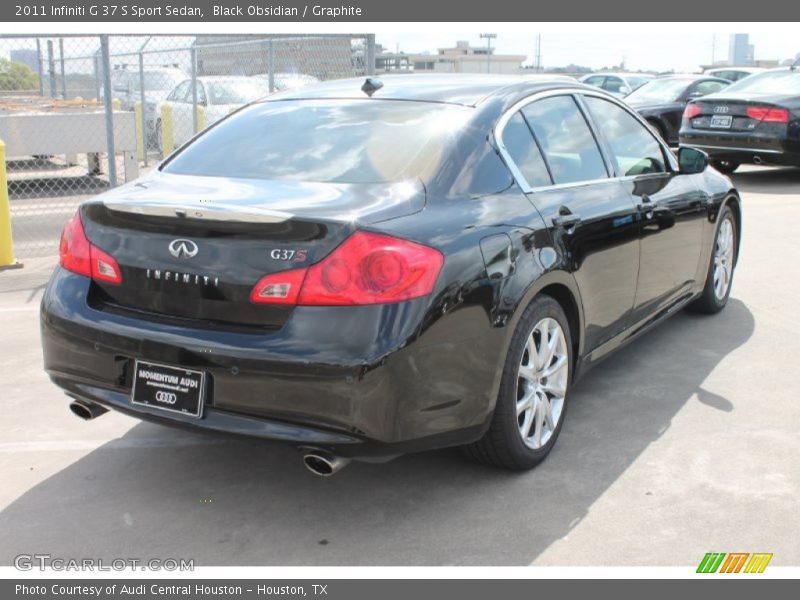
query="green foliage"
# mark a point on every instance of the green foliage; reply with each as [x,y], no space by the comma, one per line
[17,76]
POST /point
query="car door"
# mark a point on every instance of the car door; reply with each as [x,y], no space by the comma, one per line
[591,216]
[180,101]
[616,85]
[671,207]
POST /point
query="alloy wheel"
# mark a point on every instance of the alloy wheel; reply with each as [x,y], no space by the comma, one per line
[542,383]
[723,259]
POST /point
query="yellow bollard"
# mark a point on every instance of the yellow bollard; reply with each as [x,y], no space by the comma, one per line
[167,133]
[201,118]
[137,110]
[6,243]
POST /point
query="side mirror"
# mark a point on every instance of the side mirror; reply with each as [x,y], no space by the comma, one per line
[695,95]
[625,90]
[692,160]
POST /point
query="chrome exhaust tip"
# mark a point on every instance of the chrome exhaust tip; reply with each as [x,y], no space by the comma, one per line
[323,463]
[86,410]
[757,160]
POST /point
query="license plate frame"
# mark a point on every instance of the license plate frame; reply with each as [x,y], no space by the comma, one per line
[160,391]
[721,121]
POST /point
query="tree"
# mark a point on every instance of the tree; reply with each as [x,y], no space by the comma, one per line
[17,76]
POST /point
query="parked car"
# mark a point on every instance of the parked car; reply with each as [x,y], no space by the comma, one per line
[158,82]
[218,96]
[286,81]
[618,84]
[367,268]
[733,73]
[755,121]
[661,101]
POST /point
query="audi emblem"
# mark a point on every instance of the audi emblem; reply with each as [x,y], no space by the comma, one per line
[183,248]
[721,109]
[166,397]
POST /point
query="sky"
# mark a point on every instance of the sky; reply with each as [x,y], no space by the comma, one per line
[642,48]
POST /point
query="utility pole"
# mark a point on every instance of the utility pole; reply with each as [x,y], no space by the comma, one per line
[488,37]
[538,60]
[713,49]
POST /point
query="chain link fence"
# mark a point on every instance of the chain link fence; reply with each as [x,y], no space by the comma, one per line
[81,114]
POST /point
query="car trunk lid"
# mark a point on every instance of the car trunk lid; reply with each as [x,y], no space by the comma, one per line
[190,249]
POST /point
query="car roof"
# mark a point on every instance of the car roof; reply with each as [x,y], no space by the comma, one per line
[468,90]
[743,69]
[610,73]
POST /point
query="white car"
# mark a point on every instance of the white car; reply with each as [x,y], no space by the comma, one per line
[286,81]
[617,84]
[733,73]
[218,97]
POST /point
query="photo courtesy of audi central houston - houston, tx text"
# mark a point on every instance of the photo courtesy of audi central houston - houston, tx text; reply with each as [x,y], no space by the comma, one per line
[324,290]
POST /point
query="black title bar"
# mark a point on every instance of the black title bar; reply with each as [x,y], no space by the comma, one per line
[393,11]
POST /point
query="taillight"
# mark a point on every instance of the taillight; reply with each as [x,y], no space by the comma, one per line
[367,268]
[766,114]
[691,111]
[76,254]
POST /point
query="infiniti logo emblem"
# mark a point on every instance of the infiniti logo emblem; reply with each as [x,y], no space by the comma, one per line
[183,248]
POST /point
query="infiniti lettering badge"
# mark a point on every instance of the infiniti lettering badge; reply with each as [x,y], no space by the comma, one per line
[183,248]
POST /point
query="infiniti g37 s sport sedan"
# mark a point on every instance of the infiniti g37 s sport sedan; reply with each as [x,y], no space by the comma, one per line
[367,268]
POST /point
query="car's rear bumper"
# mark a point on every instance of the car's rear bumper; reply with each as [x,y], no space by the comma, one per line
[367,393]
[738,147]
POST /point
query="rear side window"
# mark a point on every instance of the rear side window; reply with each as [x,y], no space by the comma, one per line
[522,148]
[634,148]
[709,87]
[334,141]
[566,140]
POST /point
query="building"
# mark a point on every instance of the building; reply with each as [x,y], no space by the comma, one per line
[740,52]
[464,58]
[324,57]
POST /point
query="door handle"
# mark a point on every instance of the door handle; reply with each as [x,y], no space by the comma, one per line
[566,221]
[646,206]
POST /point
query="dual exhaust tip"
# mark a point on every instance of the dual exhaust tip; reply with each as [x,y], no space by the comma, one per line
[319,462]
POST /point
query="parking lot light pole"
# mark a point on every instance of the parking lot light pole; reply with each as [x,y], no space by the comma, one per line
[488,37]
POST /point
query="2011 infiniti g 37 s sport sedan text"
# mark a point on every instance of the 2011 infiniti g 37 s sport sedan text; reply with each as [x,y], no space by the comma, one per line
[367,268]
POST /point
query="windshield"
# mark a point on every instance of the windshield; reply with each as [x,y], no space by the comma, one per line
[343,141]
[155,81]
[659,91]
[771,82]
[637,82]
[235,91]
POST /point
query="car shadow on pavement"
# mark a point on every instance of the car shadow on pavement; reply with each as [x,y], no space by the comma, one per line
[777,180]
[159,492]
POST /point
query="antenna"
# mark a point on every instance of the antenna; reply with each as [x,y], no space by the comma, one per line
[371,85]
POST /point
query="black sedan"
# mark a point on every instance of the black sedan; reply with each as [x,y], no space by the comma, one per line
[756,121]
[662,101]
[367,270]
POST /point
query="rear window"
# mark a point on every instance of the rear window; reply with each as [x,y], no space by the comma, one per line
[771,82]
[338,141]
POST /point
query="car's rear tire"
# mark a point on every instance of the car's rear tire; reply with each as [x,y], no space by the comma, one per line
[725,166]
[534,389]
[719,278]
